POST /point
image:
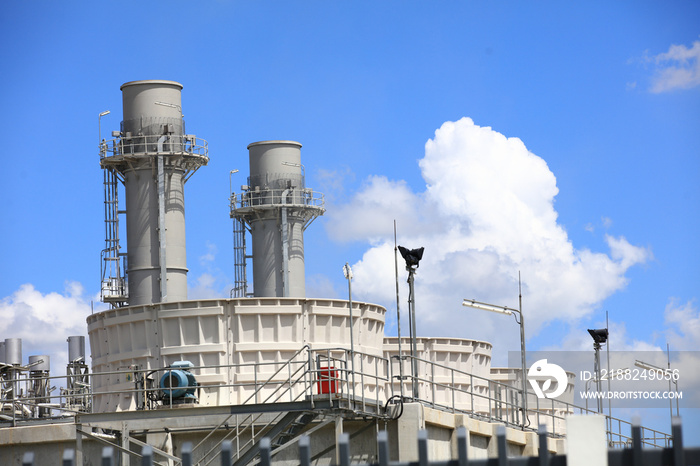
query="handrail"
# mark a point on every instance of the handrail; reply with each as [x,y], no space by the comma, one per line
[289,361]
[556,405]
[298,377]
[271,197]
[185,144]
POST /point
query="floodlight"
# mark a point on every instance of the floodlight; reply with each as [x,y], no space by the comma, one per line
[486,307]
[599,335]
[411,256]
[647,366]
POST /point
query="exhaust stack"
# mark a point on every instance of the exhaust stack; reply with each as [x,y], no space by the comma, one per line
[277,207]
[153,157]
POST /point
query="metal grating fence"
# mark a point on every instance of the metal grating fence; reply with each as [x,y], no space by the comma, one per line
[633,456]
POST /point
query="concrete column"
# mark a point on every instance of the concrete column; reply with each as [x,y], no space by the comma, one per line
[586,443]
[338,433]
[410,422]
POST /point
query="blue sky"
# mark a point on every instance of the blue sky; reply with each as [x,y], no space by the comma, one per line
[553,139]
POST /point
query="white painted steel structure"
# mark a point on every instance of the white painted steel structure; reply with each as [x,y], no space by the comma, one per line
[231,337]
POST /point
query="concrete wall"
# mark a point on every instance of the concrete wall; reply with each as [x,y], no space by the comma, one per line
[48,442]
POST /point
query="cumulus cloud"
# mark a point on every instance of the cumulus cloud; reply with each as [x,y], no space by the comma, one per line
[366,218]
[679,68]
[45,321]
[486,214]
[683,325]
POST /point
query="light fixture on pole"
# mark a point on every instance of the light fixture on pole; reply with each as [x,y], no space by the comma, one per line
[666,373]
[600,337]
[521,322]
[347,272]
[412,258]
[99,127]
[230,186]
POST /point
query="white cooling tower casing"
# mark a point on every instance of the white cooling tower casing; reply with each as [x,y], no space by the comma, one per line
[229,336]
[454,362]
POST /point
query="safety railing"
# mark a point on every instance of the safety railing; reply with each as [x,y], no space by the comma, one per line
[454,390]
[292,197]
[154,144]
[362,381]
[331,374]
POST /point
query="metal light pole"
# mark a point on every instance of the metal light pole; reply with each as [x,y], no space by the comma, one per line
[230,182]
[398,313]
[412,258]
[99,127]
[347,271]
[600,336]
[521,322]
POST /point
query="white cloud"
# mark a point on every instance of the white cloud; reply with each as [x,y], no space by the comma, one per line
[683,325]
[205,287]
[679,68]
[365,219]
[487,213]
[207,259]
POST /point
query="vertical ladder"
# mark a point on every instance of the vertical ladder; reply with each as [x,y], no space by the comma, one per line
[113,288]
[239,259]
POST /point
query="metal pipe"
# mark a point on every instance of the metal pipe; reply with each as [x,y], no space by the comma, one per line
[161,223]
[414,343]
[398,313]
[347,271]
[285,245]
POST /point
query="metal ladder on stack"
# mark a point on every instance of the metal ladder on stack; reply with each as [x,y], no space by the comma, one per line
[113,288]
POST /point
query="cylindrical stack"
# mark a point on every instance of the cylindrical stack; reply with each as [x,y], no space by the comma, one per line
[154,158]
[40,394]
[13,351]
[152,109]
[43,363]
[278,245]
[76,349]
